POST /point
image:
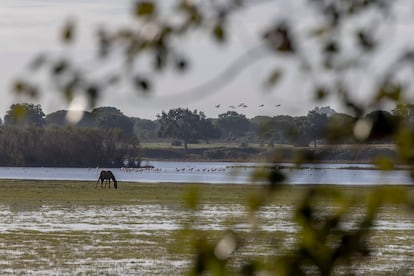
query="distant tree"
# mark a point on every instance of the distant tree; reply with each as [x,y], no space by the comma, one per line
[264,131]
[56,119]
[24,114]
[107,110]
[317,123]
[275,129]
[327,110]
[233,124]
[180,123]
[112,118]
[63,146]
[145,129]
[340,129]
[59,119]
[300,134]
[208,130]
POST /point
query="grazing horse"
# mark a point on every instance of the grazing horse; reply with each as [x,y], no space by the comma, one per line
[106,176]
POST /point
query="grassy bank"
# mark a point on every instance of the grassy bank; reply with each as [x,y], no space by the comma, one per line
[65,227]
[84,193]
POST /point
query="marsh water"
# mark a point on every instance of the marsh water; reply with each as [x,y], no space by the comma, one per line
[219,173]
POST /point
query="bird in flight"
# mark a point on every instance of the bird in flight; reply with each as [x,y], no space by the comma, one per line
[277,105]
[241,105]
[232,106]
[217,105]
[261,105]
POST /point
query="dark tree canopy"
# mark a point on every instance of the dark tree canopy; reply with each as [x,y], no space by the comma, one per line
[181,123]
[233,124]
[24,114]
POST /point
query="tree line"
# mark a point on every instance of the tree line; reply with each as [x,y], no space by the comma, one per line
[107,137]
[28,137]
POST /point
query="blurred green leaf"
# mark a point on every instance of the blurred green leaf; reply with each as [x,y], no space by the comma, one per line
[92,91]
[145,8]
[273,78]
[331,47]
[389,90]
[68,94]
[279,38]
[38,61]
[160,58]
[219,33]
[60,67]
[393,195]
[319,31]
[192,197]
[25,88]
[405,143]
[181,64]
[384,163]
[19,86]
[68,30]
[365,40]
[276,178]
[320,93]
[254,202]
[142,83]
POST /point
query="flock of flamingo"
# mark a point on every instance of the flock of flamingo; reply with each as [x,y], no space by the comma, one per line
[178,170]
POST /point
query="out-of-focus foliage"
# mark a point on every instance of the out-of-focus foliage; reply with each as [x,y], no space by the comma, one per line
[335,50]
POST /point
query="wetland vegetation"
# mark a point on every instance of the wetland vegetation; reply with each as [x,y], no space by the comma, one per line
[68,227]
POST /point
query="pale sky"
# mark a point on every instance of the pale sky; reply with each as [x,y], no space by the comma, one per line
[29,27]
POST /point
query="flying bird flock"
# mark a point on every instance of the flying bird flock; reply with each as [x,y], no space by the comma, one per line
[242,105]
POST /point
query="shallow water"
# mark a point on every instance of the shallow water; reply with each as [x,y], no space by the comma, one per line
[218,173]
[67,240]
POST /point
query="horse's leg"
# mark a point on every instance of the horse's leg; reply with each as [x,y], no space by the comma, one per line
[96,186]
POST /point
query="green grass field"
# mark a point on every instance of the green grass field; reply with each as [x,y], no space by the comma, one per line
[63,227]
